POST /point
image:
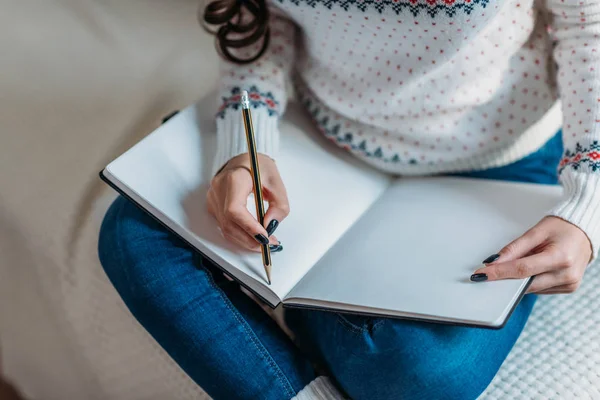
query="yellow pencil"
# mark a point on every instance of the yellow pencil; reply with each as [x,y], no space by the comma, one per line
[255,170]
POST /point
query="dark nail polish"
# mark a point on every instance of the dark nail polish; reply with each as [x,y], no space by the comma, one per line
[272,226]
[491,258]
[275,248]
[260,238]
[479,277]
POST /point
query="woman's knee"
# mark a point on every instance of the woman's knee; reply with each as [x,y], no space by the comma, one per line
[127,245]
[384,376]
[408,360]
[120,225]
[109,240]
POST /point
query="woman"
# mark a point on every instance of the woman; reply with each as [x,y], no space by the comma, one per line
[412,87]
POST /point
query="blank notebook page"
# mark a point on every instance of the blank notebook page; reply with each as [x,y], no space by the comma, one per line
[416,248]
[170,171]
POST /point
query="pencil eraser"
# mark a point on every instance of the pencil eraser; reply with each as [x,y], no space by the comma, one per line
[245,101]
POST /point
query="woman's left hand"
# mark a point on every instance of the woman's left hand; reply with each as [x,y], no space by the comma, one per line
[555,251]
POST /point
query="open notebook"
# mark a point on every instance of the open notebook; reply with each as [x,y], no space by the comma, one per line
[356,240]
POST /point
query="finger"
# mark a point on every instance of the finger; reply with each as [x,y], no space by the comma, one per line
[211,204]
[275,248]
[553,288]
[237,235]
[523,245]
[519,268]
[214,209]
[543,282]
[279,207]
[235,211]
[563,289]
[550,292]
[568,279]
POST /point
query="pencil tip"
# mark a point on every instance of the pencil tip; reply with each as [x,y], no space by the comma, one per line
[268,272]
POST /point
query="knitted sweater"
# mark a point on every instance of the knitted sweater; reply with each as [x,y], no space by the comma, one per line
[432,86]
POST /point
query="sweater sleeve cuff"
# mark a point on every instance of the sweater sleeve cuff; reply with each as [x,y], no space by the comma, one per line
[581,204]
[231,135]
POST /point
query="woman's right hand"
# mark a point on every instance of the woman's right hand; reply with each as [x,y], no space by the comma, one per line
[228,196]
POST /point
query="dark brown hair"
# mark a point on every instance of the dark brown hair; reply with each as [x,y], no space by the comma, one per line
[240,23]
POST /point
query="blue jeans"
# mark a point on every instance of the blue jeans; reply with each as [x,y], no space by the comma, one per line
[233,350]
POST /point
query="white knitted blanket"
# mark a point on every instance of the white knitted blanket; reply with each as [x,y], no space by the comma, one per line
[558,353]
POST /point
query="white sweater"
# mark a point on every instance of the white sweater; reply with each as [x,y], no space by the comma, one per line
[431,86]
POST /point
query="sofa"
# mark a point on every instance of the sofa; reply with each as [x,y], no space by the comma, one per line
[80,82]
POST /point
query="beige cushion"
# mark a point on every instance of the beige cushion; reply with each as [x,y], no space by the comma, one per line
[82,80]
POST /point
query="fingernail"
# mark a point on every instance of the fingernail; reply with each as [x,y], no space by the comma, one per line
[479,277]
[272,226]
[260,238]
[491,259]
[275,248]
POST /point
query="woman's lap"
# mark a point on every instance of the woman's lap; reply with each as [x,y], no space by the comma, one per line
[375,358]
[219,336]
[229,346]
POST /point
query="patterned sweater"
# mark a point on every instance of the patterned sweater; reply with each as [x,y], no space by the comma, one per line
[430,86]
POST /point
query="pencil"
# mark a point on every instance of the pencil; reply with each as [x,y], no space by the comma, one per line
[257,187]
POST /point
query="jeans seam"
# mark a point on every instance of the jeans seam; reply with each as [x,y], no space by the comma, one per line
[254,340]
[250,334]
